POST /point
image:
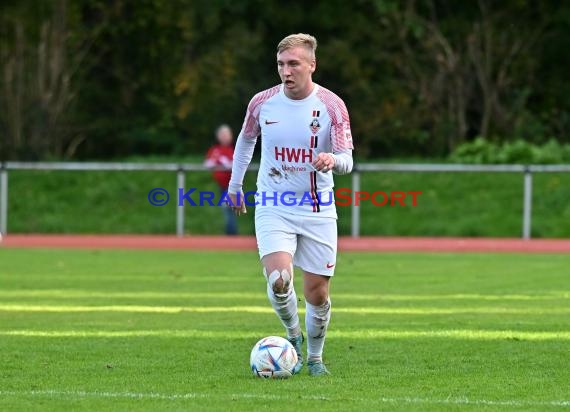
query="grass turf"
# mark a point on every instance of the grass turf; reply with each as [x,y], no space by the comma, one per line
[478,204]
[172,330]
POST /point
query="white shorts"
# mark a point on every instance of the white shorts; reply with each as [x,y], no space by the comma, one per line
[310,240]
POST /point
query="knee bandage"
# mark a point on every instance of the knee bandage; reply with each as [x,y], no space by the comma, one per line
[275,276]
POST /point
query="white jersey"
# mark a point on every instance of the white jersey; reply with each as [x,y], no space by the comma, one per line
[293,133]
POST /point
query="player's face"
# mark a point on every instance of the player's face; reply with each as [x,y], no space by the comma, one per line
[295,67]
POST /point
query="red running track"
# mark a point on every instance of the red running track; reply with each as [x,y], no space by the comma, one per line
[367,244]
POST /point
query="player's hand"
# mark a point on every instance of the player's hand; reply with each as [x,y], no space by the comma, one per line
[324,162]
[237,205]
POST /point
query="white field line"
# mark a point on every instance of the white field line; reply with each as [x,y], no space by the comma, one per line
[465,334]
[23,307]
[80,293]
[274,397]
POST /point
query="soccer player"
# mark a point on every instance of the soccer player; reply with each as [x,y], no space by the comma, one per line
[219,158]
[305,137]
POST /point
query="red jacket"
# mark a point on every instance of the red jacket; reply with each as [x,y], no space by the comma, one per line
[221,157]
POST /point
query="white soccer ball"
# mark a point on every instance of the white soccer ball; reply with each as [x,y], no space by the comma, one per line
[273,357]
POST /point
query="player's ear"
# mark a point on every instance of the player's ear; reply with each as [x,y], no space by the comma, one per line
[313,65]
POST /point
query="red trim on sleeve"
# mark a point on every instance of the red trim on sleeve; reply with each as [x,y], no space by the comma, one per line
[341,137]
[251,128]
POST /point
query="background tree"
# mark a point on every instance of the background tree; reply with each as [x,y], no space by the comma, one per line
[42,64]
[102,79]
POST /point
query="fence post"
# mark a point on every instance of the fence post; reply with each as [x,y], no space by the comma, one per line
[3,199]
[181,182]
[355,210]
[527,203]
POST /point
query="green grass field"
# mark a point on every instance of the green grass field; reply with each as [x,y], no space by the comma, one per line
[477,204]
[172,330]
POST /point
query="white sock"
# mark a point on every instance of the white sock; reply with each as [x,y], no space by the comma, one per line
[317,320]
[285,306]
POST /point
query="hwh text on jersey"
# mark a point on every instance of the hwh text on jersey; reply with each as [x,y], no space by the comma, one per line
[291,154]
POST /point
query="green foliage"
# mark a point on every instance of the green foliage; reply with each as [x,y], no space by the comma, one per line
[479,151]
[155,77]
[482,151]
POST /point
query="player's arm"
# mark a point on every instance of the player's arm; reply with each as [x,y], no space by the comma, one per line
[343,162]
[340,163]
[243,153]
[242,158]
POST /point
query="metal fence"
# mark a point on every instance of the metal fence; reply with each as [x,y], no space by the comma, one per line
[183,168]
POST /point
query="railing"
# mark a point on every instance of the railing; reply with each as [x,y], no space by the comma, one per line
[182,168]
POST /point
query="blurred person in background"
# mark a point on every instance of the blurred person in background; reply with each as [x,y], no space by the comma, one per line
[219,158]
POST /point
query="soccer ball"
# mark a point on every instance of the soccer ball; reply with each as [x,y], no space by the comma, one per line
[273,357]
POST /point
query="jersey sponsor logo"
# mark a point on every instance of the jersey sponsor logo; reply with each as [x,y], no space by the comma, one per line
[330,266]
[292,154]
[271,121]
[292,168]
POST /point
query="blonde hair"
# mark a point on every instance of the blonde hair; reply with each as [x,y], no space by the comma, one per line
[300,39]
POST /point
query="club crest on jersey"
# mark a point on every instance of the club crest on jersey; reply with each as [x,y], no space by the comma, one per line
[315,126]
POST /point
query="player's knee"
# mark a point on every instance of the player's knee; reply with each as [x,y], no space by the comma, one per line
[317,296]
[279,280]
